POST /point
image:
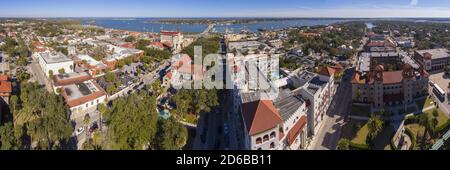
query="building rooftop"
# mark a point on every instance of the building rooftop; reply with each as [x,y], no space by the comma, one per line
[91,61]
[260,116]
[71,78]
[243,44]
[80,93]
[289,105]
[51,58]
[301,78]
[435,53]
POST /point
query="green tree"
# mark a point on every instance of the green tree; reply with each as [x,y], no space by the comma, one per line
[86,120]
[375,126]
[14,104]
[110,77]
[61,71]
[195,101]
[50,73]
[133,122]
[424,121]
[130,39]
[7,138]
[157,87]
[171,135]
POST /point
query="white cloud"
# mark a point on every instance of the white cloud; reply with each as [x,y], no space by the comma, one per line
[414,3]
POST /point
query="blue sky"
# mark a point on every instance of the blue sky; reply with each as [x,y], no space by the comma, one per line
[225,8]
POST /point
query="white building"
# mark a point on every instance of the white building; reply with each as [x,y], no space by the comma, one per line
[174,39]
[84,96]
[53,62]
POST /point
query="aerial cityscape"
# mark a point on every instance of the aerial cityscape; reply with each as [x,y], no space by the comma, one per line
[207,75]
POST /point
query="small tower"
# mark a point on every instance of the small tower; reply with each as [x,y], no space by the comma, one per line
[408,77]
[378,87]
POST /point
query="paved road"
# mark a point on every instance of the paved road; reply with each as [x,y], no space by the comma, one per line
[3,64]
[94,117]
[38,74]
[328,136]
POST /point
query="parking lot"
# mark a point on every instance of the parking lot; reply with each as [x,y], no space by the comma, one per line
[443,82]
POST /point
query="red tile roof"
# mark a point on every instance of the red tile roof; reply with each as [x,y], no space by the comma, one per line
[157,44]
[392,77]
[5,87]
[84,99]
[63,82]
[3,78]
[169,75]
[295,131]
[260,116]
[375,44]
[127,45]
[170,33]
[330,70]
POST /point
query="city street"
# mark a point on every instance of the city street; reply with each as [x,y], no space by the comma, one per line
[3,64]
[39,76]
[94,117]
[328,136]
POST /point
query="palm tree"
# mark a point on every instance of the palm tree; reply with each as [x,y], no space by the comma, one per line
[86,120]
[375,126]
[423,120]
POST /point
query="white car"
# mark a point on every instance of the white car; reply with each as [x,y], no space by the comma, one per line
[79,131]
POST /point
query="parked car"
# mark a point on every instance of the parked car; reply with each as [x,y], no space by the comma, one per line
[79,131]
[93,127]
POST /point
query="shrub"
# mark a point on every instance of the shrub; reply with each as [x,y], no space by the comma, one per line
[356,146]
[442,128]
[411,120]
[393,146]
[411,136]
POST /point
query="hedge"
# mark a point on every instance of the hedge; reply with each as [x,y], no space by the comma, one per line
[411,120]
[393,146]
[442,128]
[411,136]
[356,146]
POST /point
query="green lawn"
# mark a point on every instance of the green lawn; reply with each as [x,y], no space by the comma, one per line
[351,131]
[417,131]
[424,103]
[442,118]
[360,111]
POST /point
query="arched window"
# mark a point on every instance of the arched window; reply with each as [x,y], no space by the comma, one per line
[272,135]
[258,141]
[272,145]
[266,138]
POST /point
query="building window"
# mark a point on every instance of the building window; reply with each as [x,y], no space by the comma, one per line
[266,138]
[272,145]
[272,135]
[87,105]
[258,141]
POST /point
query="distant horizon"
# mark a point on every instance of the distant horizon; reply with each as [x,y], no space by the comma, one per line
[144,17]
[226,8]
